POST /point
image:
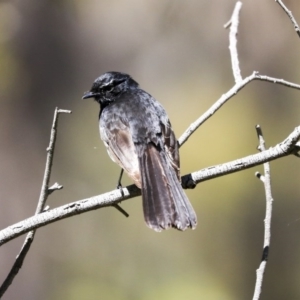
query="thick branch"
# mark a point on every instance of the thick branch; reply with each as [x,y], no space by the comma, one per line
[288,146]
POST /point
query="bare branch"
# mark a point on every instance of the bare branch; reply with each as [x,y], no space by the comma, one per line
[45,191]
[234,23]
[50,151]
[285,148]
[225,97]
[121,210]
[277,81]
[239,82]
[266,179]
[288,146]
[214,108]
[289,13]
[68,210]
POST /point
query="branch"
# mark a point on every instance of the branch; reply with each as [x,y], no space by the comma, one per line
[289,13]
[225,97]
[233,23]
[287,147]
[45,191]
[239,81]
[44,217]
[266,179]
[189,181]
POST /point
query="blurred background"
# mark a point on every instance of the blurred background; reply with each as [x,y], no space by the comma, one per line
[51,52]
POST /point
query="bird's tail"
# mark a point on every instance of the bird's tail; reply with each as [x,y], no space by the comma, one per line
[164,201]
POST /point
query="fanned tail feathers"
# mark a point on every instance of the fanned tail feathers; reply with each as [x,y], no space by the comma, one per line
[164,201]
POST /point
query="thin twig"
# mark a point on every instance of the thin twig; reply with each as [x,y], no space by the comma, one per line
[41,203]
[53,188]
[233,23]
[225,97]
[50,151]
[277,81]
[266,179]
[287,147]
[121,210]
[289,13]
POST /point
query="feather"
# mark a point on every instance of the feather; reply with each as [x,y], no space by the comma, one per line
[164,201]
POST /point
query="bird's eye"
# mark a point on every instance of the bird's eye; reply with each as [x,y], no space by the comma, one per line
[114,85]
[107,88]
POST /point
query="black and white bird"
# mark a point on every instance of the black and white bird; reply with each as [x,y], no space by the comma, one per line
[138,136]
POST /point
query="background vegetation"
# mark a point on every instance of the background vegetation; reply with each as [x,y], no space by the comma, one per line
[50,53]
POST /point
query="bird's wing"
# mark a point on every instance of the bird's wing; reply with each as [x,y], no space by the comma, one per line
[171,147]
[117,138]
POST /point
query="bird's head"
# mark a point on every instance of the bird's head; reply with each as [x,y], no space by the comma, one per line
[108,86]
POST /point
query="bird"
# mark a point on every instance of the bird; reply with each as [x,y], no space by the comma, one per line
[138,136]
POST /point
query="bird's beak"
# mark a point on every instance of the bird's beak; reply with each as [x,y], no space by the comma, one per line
[88,95]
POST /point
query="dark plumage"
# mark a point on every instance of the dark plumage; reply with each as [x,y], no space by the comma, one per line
[138,136]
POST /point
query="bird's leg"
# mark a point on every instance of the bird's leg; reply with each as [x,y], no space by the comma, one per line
[119,186]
